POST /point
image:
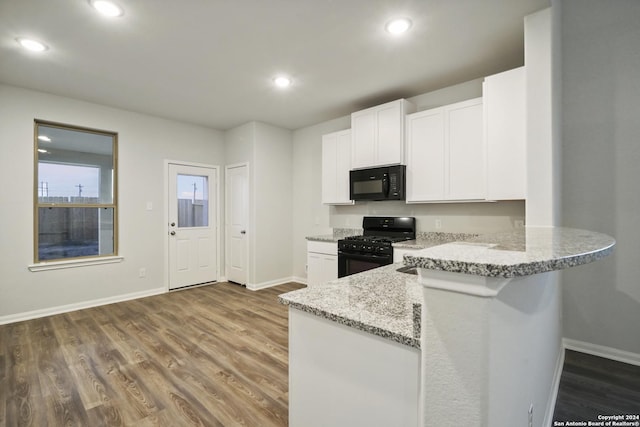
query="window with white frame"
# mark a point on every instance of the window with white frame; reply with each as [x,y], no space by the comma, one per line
[75,213]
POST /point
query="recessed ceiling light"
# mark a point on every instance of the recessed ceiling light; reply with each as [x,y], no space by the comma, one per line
[398,26]
[282,81]
[107,8]
[44,138]
[32,45]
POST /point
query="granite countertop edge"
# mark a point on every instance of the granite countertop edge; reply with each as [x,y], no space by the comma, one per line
[506,271]
[342,320]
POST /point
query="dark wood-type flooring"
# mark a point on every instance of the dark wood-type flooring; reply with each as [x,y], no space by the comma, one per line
[215,355]
[207,356]
[592,386]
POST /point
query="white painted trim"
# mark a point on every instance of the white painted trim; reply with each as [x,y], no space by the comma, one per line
[19,317]
[219,218]
[57,265]
[270,283]
[602,351]
[555,386]
[301,280]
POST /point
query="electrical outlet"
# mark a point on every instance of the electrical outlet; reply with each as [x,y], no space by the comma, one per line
[438,224]
[518,223]
[142,273]
[531,415]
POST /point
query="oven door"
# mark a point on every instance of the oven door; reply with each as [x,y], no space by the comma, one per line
[352,263]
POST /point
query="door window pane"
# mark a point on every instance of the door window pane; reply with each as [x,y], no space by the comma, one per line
[193,202]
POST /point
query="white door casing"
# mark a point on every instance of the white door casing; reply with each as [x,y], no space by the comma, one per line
[237,223]
[192,224]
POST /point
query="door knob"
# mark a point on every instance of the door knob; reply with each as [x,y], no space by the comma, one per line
[173,233]
[243,232]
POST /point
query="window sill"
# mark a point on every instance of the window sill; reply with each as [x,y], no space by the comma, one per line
[57,265]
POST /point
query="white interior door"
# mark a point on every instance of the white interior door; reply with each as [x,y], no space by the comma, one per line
[193,256]
[237,221]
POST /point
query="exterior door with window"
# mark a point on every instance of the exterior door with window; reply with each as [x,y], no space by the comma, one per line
[192,233]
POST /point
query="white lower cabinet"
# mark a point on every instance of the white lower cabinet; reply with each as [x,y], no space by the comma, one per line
[322,262]
[340,376]
[446,154]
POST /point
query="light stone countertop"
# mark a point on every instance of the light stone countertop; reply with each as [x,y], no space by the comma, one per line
[522,252]
[338,233]
[388,303]
[428,239]
[381,301]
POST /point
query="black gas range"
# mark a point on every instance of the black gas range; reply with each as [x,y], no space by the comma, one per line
[374,248]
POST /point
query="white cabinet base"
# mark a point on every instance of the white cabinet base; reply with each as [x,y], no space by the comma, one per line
[322,262]
[339,376]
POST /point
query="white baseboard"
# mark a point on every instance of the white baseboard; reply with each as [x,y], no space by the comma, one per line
[301,280]
[35,314]
[270,283]
[551,402]
[602,351]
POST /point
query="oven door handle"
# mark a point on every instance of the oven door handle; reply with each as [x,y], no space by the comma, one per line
[361,257]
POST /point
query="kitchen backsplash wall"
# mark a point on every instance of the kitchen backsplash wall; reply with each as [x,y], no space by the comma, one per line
[480,217]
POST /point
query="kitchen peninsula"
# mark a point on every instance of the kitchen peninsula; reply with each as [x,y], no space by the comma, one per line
[473,339]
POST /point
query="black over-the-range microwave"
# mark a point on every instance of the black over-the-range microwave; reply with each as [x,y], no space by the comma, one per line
[382,183]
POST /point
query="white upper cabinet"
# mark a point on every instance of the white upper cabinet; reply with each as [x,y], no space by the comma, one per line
[336,163]
[505,134]
[445,153]
[378,134]
[425,156]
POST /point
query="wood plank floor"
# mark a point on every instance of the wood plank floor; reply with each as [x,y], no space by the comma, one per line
[215,355]
[592,386]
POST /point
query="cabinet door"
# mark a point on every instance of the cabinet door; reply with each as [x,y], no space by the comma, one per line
[363,133]
[330,268]
[314,268]
[465,155]
[378,134]
[425,156]
[329,167]
[390,121]
[336,162]
[343,165]
[505,137]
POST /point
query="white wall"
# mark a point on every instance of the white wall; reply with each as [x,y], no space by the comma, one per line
[600,44]
[268,150]
[311,217]
[543,174]
[144,142]
[273,204]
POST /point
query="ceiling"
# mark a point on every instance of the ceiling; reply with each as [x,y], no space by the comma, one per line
[211,62]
